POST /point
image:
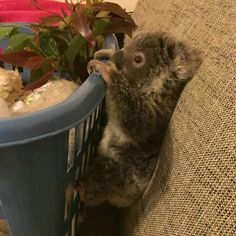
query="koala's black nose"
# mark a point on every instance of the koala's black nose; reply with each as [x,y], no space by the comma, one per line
[117,58]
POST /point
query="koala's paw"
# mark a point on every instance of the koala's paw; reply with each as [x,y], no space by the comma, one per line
[103,69]
[90,195]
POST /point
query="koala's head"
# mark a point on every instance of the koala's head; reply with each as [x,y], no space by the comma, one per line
[150,55]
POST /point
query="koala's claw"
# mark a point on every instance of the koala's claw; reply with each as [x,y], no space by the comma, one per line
[95,66]
[92,71]
[99,67]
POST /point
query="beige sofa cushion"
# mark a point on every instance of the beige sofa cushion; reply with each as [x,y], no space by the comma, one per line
[193,191]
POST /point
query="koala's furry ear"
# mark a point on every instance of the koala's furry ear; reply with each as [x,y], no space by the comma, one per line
[185,61]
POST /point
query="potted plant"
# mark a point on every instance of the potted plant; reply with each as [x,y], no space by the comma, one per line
[63,42]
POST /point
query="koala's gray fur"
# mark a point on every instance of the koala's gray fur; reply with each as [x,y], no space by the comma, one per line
[141,97]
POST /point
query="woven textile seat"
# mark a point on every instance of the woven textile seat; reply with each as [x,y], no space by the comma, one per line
[193,191]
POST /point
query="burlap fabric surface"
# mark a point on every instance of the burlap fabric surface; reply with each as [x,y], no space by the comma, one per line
[194,188]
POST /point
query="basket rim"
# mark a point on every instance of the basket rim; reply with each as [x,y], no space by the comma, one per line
[56,119]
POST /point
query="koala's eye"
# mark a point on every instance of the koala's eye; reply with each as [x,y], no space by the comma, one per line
[138,59]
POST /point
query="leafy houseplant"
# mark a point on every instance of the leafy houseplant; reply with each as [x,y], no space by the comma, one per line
[63,42]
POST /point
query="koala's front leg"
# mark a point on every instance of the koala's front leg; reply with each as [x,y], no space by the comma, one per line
[106,181]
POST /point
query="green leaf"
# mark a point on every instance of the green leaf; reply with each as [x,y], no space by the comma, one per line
[100,26]
[31,46]
[77,43]
[53,30]
[65,22]
[49,46]
[50,20]
[5,31]
[14,32]
[102,14]
[18,41]
[26,45]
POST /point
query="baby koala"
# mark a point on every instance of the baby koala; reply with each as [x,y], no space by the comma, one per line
[144,81]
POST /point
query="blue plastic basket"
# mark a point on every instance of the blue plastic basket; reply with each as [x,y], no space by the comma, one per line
[41,155]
